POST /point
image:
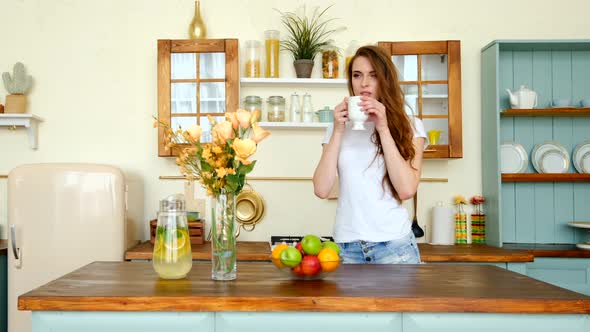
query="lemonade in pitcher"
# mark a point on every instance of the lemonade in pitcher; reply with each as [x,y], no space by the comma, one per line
[172,257]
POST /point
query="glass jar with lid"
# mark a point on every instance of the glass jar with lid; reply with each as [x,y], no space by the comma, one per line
[172,257]
[252,103]
[276,109]
[252,59]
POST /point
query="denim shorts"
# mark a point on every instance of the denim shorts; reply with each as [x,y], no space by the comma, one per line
[399,251]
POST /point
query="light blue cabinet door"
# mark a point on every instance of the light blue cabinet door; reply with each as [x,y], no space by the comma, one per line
[3,294]
[568,273]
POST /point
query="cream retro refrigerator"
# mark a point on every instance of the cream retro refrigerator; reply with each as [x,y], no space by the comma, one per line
[60,217]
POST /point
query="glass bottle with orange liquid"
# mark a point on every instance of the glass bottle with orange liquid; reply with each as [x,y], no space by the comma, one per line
[271,46]
[252,59]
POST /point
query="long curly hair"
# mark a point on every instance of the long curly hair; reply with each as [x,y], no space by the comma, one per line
[392,97]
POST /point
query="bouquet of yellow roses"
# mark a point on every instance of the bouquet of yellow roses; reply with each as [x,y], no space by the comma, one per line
[223,163]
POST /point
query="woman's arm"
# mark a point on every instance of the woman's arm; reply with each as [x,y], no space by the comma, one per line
[404,176]
[325,173]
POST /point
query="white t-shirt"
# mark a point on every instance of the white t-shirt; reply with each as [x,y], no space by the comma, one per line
[365,211]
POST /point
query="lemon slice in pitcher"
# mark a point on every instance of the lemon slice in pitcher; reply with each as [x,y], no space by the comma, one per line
[177,239]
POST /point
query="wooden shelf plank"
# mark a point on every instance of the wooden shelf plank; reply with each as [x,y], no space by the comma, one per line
[572,112]
[538,177]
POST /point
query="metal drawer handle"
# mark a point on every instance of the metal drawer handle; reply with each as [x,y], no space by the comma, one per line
[15,250]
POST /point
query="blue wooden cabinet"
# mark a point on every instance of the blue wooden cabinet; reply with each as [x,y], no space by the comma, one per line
[3,293]
[531,211]
[569,273]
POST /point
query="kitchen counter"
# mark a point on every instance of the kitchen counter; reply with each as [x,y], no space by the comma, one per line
[246,251]
[134,286]
[3,247]
[549,250]
[260,251]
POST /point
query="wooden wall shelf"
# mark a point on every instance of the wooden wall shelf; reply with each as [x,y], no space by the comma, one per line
[538,177]
[572,112]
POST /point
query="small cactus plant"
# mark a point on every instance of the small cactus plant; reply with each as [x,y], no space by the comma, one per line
[20,82]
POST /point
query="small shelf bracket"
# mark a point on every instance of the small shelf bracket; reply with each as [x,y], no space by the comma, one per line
[28,121]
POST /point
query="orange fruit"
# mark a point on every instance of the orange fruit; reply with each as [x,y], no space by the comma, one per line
[276,254]
[329,259]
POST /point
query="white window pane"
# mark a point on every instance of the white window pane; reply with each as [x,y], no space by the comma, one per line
[212,97]
[434,67]
[440,125]
[183,65]
[183,98]
[212,65]
[407,67]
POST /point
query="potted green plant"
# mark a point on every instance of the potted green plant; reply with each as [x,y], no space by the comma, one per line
[306,37]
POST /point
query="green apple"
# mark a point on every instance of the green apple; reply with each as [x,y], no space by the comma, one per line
[290,257]
[311,244]
[331,245]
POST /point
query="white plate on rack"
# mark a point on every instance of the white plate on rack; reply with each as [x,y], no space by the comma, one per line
[585,246]
[580,224]
[540,149]
[554,161]
[514,158]
[581,157]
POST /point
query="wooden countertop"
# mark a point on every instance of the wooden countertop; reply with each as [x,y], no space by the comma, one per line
[246,251]
[550,250]
[472,253]
[3,247]
[260,251]
[134,286]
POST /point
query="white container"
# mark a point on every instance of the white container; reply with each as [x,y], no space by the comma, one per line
[295,108]
[307,109]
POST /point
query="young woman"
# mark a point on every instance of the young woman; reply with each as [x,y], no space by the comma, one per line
[377,168]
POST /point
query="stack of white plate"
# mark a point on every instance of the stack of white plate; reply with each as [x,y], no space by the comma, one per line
[582,157]
[550,157]
[513,158]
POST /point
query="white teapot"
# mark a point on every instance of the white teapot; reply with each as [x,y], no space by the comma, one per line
[524,98]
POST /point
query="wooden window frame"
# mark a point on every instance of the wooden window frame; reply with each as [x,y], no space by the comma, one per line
[452,48]
[165,49]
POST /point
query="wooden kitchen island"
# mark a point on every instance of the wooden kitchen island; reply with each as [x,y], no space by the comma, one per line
[128,296]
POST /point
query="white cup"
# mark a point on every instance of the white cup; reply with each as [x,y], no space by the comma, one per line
[355,114]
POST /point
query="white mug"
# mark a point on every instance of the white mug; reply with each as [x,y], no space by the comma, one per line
[355,114]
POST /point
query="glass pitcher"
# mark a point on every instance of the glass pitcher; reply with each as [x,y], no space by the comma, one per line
[172,248]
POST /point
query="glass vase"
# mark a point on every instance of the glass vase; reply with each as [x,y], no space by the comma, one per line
[223,239]
[478,226]
[460,226]
[197,29]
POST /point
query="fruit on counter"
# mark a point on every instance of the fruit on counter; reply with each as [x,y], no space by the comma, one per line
[276,254]
[311,244]
[329,259]
[331,245]
[300,248]
[310,265]
[298,270]
[290,257]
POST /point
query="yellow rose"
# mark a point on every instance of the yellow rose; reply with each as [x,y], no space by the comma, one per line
[217,149]
[244,148]
[221,172]
[231,117]
[255,116]
[243,118]
[195,132]
[259,134]
[223,131]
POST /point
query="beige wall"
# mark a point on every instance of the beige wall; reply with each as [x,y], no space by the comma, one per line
[94,69]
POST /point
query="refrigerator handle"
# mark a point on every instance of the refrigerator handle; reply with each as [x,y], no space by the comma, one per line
[15,250]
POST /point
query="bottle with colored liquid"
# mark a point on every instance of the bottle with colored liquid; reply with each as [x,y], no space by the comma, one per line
[172,247]
[271,46]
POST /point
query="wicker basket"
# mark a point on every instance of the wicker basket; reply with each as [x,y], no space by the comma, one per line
[196,229]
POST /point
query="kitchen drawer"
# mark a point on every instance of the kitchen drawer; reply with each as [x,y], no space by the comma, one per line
[569,273]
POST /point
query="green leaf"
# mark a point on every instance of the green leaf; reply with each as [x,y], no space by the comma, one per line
[245,169]
[205,167]
[232,183]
